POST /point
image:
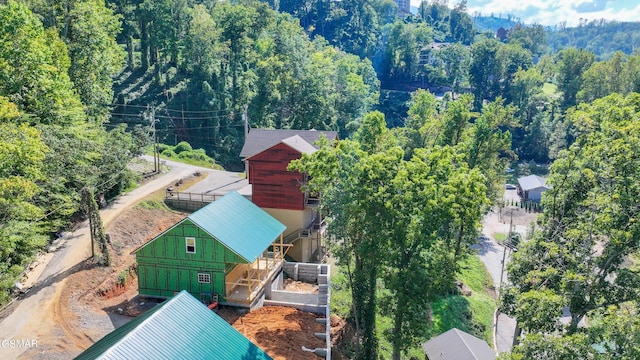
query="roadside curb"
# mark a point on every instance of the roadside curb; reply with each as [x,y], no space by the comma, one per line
[496,313]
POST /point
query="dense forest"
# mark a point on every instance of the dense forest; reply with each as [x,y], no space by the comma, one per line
[603,38]
[431,109]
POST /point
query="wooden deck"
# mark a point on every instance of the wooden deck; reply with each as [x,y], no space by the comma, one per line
[245,281]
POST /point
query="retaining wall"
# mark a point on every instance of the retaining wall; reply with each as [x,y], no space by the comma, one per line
[186,205]
[316,303]
[304,271]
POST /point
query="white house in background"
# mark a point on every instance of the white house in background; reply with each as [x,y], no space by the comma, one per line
[531,187]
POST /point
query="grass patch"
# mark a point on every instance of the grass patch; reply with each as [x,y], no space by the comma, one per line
[340,294]
[184,153]
[475,275]
[549,89]
[499,237]
[473,314]
[154,204]
[209,164]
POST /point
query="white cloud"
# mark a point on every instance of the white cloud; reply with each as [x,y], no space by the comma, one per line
[552,12]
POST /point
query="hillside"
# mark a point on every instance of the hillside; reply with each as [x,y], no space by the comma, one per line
[601,37]
[492,23]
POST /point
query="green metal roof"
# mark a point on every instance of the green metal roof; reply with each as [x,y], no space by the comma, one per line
[239,224]
[180,328]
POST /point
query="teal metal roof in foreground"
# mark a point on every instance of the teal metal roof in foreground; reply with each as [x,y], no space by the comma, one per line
[239,224]
[180,328]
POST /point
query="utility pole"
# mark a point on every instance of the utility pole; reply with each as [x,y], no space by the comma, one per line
[245,118]
[152,124]
[91,234]
[507,243]
[155,135]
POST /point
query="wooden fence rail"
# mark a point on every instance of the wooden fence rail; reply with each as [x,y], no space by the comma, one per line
[187,196]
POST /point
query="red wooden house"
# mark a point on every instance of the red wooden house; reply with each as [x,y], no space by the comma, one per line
[267,154]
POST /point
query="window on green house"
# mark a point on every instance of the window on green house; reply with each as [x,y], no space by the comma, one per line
[204,278]
[191,245]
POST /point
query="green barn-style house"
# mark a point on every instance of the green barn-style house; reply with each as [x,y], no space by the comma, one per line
[228,251]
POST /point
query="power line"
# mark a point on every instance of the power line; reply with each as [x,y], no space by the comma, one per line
[200,118]
[186,128]
[176,110]
[198,111]
[141,114]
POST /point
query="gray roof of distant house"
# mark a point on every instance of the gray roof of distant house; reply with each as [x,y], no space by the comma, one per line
[457,345]
[299,144]
[532,182]
[259,140]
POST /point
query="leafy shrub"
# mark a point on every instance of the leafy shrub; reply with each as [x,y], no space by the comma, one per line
[182,146]
[122,278]
[169,153]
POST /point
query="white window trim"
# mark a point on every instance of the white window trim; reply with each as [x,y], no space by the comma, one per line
[206,278]
[186,245]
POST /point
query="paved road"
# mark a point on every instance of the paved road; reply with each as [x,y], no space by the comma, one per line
[492,254]
[33,318]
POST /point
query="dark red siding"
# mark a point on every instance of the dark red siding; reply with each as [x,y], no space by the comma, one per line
[273,185]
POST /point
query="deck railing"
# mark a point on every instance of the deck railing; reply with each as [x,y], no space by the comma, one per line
[187,196]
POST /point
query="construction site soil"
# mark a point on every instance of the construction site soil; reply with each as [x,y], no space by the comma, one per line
[96,299]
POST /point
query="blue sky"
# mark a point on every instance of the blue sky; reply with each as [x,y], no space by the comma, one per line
[551,12]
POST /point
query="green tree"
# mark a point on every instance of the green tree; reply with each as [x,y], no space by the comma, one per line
[126,9]
[532,38]
[21,156]
[33,68]
[436,14]
[354,27]
[436,205]
[485,71]
[511,59]
[460,25]
[402,49]
[421,126]
[352,184]
[95,56]
[456,60]
[548,68]
[589,222]
[572,63]
[391,218]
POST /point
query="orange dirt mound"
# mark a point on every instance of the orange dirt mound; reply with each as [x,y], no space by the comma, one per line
[282,332]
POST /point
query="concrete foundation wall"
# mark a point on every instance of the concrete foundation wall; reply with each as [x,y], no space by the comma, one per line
[294,297]
[275,284]
[315,303]
[315,309]
[303,271]
[186,205]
